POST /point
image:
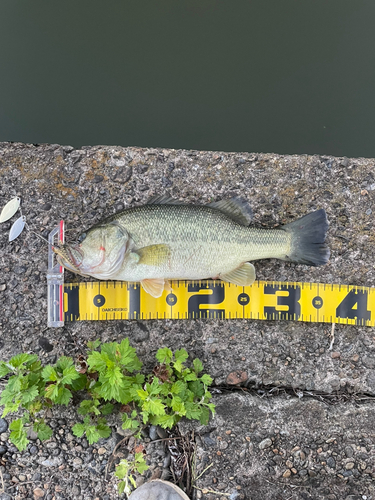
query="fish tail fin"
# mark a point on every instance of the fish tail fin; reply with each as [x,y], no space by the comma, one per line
[308,239]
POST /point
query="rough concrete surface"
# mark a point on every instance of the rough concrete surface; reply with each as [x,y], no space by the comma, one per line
[301,423]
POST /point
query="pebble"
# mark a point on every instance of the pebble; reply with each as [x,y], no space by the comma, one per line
[77,461]
[3,425]
[236,377]
[331,462]
[335,355]
[3,449]
[349,466]
[153,432]
[101,451]
[38,493]
[266,443]
[3,287]
[287,473]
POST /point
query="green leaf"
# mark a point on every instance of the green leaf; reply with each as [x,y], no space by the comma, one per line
[181,355]
[43,430]
[20,359]
[92,434]
[178,387]
[49,373]
[189,376]
[198,366]
[206,379]
[29,394]
[64,362]
[78,430]
[164,355]
[121,487]
[103,429]
[18,435]
[69,374]
[178,406]
[140,463]
[166,421]
[154,406]
[52,391]
[106,409]
[197,388]
[205,415]
[79,383]
[97,362]
[89,406]
[4,369]
[143,395]
[64,396]
[10,408]
[92,345]
[193,410]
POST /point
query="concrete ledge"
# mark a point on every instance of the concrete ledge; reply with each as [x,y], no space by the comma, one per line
[83,186]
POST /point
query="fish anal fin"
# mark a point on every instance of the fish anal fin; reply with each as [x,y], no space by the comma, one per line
[243,275]
[154,287]
[153,255]
[236,208]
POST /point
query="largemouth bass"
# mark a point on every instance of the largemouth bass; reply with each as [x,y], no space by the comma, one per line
[167,239]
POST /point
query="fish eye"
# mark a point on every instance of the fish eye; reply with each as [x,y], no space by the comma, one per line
[81,237]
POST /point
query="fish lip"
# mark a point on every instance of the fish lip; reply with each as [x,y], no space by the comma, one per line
[69,254]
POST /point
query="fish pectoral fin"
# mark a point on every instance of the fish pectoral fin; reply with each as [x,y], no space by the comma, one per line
[153,255]
[154,287]
[243,275]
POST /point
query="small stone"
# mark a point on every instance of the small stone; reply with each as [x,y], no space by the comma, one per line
[101,451]
[153,433]
[335,355]
[45,344]
[3,425]
[98,178]
[364,192]
[46,206]
[22,477]
[122,175]
[236,377]
[349,451]
[349,466]
[3,287]
[139,481]
[287,473]
[266,443]
[38,493]
[77,461]
[355,358]
[3,449]
[289,464]
[331,462]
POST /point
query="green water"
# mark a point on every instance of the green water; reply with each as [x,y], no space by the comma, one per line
[284,76]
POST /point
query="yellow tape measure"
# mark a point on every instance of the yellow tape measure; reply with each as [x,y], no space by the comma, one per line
[313,302]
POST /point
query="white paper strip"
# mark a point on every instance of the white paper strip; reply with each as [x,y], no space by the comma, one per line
[10,209]
[17,228]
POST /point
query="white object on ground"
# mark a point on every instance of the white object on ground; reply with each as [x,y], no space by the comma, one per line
[10,209]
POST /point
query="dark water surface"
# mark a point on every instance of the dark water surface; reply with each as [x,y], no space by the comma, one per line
[284,76]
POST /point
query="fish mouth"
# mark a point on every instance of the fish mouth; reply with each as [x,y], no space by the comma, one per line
[69,256]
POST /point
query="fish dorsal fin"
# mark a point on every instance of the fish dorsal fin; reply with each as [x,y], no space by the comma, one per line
[236,208]
[164,199]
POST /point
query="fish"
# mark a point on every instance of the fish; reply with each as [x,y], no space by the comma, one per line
[167,239]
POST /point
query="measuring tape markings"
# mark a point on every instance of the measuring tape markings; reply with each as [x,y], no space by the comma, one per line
[297,301]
